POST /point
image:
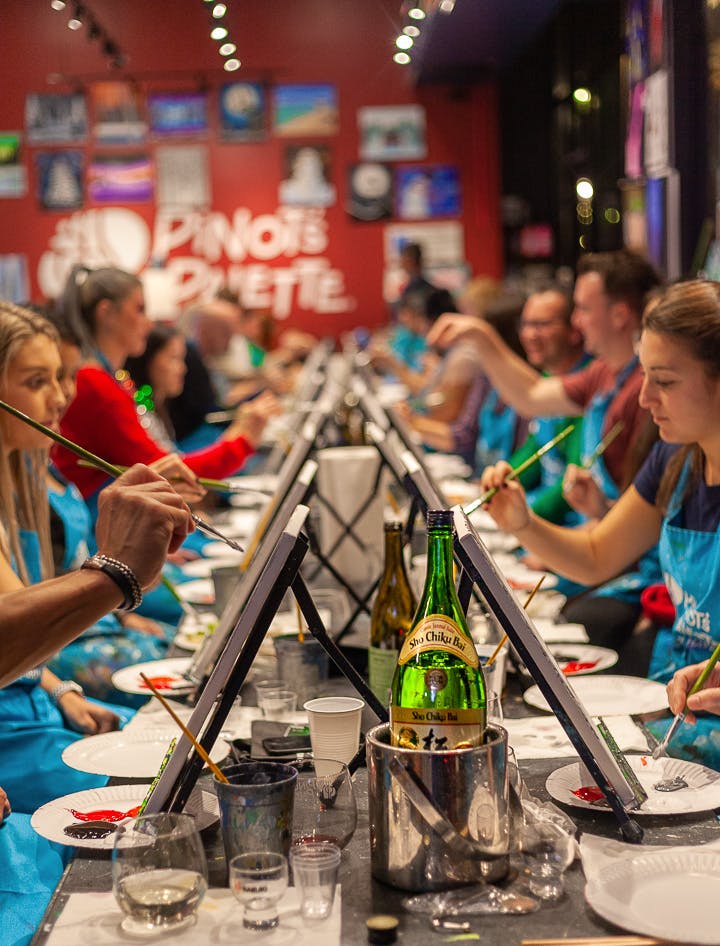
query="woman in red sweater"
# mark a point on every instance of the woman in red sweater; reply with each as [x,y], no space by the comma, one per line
[106,310]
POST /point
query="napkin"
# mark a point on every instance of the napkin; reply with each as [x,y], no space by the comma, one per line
[596,852]
[93,919]
[542,737]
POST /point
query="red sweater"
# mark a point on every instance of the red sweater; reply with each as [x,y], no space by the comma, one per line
[103,419]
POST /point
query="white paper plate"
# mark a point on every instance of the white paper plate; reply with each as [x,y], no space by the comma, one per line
[702,793]
[128,679]
[202,567]
[265,483]
[521,578]
[553,633]
[220,550]
[197,591]
[610,695]
[670,895]
[601,658]
[134,754]
[482,521]
[50,820]
[191,633]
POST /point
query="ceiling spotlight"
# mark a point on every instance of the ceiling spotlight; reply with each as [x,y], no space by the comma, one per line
[404,42]
[584,189]
[582,96]
[74,24]
[218,32]
[219,10]
[227,49]
[411,31]
[231,65]
[415,13]
[401,58]
[57,4]
[447,6]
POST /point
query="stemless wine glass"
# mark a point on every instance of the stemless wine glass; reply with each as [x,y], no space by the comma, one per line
[159,872]
[325,808]
[258,880]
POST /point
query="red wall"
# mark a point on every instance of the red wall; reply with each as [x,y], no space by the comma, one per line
[345,42]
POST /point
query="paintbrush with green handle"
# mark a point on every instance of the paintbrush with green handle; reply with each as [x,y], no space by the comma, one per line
[609,438]
[661,748]
[106,467]
[526,464]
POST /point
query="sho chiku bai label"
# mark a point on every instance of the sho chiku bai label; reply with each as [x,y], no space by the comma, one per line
[436,730]
[438,632]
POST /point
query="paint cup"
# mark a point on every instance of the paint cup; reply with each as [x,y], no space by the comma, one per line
[302,665]
[225,579]
[256,806]
[334,727]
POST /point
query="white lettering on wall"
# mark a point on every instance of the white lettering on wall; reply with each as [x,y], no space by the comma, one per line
[218,250]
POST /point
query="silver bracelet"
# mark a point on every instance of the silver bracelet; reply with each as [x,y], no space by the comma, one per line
[65,686]
[123,576]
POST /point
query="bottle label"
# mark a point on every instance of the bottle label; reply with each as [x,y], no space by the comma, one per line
[438,632]
[436,730]
[381,669]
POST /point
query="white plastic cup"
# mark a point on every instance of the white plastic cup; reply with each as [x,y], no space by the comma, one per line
[315,869]
[496,673]
[334,727]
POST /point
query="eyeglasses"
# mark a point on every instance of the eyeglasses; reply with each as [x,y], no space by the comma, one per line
[537,325]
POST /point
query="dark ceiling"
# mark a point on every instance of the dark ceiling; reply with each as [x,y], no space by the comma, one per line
[477,38]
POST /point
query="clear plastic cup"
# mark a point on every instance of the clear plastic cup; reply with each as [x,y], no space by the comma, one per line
[315,868]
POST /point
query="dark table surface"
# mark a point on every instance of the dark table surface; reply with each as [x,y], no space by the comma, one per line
[363,896]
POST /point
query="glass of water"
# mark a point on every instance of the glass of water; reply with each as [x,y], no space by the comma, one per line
[258,880]
[159,872]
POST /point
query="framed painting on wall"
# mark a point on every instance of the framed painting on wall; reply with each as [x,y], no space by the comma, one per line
[300,110]
[242,111]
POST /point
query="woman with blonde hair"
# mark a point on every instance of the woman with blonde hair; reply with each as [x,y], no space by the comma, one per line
[39,713]
[674,499]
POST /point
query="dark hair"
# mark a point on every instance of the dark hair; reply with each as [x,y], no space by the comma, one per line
[688,313]
[158,337]
[413,251]
[503,313]
[437,302]
[84,290]
[627,276]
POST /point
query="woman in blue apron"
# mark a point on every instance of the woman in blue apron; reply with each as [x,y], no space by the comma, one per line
[500,431]
[674,499]
[38,711]
[610,611]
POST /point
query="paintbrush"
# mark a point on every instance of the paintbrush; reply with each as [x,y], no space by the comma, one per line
[529,598]
[217,772]
[609,437]
[186,607]
[661,748]
[106,467]
[513,474]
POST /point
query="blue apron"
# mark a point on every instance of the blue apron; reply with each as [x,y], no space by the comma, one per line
[691,570]
[33,733]
[630,585]
[497,427]
[70,508]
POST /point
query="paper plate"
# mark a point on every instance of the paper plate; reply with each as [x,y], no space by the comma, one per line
[50,820]
[263,484]
[610,695]
[219,550]
[702,793]
[202,567]
[172,668]
[521,578]
[191,633]
[136,753]
[586,657]
[553,633]
[198,591]
[669,895]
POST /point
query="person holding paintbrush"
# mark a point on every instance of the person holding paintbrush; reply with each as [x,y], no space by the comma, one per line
[609,295]
[105,309]
[675,498]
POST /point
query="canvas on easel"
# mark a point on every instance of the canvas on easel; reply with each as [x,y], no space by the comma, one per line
[594,744]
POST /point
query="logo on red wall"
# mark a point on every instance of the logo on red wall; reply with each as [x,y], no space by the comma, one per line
[274,261]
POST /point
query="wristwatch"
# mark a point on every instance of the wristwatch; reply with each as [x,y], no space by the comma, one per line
[65,686]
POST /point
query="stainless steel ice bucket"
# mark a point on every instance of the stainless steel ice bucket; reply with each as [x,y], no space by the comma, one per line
[439,819]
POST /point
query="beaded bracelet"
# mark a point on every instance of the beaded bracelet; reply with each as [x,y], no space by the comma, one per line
[123,576]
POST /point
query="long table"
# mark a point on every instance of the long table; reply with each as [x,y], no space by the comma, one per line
[570,916]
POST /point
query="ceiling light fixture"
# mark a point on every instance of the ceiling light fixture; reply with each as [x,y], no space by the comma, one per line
[57,4]
[220,32]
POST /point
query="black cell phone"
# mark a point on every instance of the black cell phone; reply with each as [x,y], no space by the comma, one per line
[286,745]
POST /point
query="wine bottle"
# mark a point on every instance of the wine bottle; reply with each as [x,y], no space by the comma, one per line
[392,615]
[438,691]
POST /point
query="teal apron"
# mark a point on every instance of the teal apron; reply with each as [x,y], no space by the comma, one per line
[691,570]
[497,426]
[70,508]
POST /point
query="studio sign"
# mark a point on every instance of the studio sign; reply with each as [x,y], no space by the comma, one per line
[204,250]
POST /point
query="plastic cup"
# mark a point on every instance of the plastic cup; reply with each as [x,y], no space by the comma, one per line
[334,727]
[277,704]
[497,671]
[315,869]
